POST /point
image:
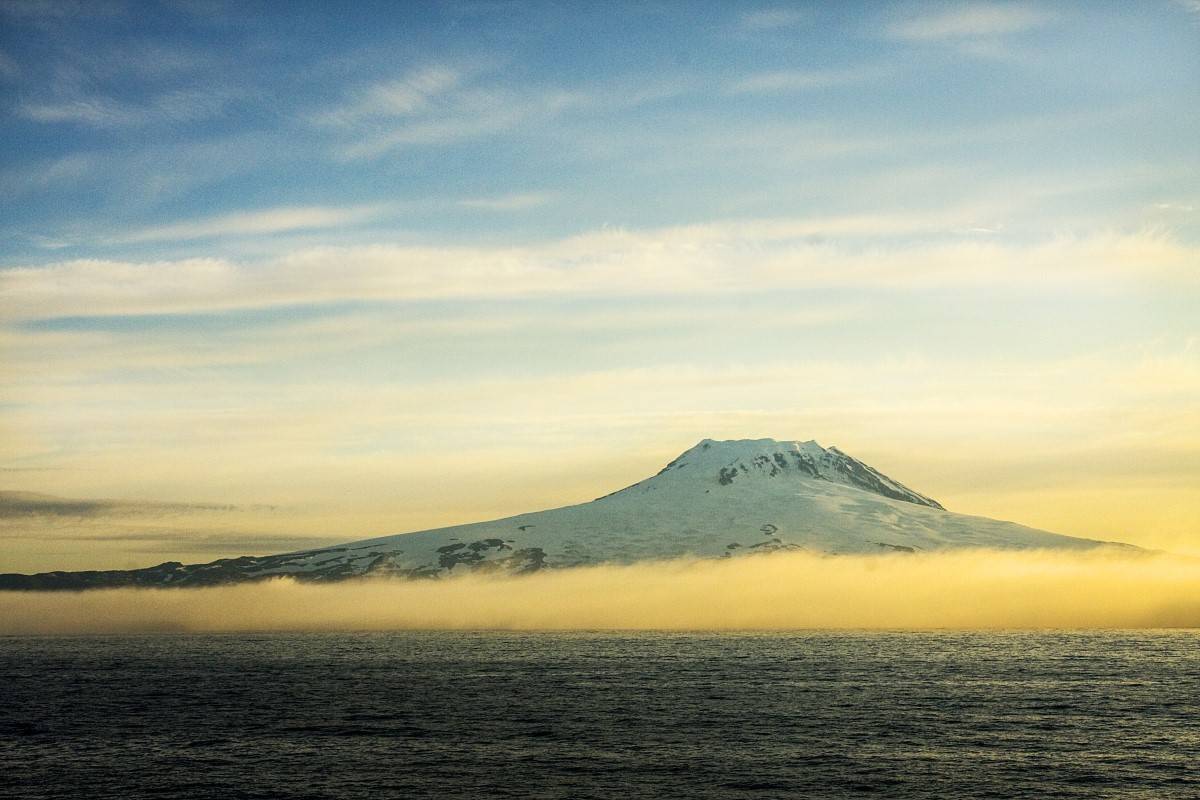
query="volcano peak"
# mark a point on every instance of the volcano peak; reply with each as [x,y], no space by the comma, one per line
[718,499]
[734,462]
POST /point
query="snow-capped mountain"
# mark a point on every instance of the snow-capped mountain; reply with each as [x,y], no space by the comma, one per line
[719,499]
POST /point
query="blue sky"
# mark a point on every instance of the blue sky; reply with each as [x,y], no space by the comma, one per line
[245,245]
[153,130]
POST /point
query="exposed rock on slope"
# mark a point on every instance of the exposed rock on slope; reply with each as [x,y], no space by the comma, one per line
[716,500]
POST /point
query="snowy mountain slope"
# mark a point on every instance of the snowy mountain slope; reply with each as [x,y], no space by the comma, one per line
[718,499]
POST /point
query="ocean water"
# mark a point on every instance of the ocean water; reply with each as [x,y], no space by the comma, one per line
[602,715]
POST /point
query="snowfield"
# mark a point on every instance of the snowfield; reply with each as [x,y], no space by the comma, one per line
[719,499]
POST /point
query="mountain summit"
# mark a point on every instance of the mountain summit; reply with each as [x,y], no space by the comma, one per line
[751,459]
[719,499]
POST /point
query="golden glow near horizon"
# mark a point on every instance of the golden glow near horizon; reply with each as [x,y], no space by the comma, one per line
[959,589]
[439,283]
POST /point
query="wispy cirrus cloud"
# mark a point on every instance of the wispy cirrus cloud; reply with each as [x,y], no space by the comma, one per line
[143,81]
[770,19]
[99,111]
[1190,5]
[438,105]
[508,202]
[412,93]
[722,257]
[137,179]
[782,81]
[263,222]
[467,114]
[979,20]
[429,105]
[35,175]
[491,118]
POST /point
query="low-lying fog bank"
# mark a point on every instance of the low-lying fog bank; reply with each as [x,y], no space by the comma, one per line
[976,589]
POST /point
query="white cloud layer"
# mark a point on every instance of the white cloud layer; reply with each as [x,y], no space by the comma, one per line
[250,223]
[969,20]
[723,257]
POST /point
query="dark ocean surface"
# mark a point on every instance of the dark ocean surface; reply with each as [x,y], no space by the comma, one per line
[605,715]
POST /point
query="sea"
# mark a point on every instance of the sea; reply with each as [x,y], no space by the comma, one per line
[1020,714]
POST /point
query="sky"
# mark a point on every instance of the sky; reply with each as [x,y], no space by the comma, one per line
[277,275]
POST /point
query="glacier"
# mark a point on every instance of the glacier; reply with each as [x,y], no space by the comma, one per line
[718,499]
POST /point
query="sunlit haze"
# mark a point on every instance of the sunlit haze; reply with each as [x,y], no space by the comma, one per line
[276,275]
[965,589]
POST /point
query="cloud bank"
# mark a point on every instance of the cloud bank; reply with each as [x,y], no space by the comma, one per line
[965,590]
[760,256]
